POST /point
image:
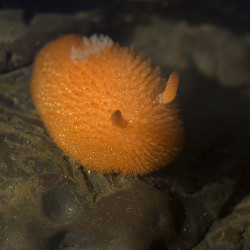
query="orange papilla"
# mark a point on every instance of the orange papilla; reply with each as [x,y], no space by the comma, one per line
[77,98]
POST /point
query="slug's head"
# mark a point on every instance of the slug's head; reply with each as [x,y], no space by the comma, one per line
[166,97]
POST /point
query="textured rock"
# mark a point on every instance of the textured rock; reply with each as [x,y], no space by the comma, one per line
[232,231]
[215,52]
[60,205]
[19,41]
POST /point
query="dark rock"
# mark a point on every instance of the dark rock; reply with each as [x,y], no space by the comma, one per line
[158,245]
[19,41]
[77,239]
[231,232]
[215,52]
[60,205]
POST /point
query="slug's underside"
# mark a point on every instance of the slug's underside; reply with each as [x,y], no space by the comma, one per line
[105,107]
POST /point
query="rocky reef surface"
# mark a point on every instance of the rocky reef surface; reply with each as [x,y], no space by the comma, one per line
[48,201]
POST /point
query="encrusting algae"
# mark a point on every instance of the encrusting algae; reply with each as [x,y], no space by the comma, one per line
[106,107]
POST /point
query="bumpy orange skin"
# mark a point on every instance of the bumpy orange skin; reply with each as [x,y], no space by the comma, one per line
[76,99]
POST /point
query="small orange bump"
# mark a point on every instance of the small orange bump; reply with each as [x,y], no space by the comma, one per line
[118,120]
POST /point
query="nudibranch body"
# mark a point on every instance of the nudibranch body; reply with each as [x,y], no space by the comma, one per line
[106,107]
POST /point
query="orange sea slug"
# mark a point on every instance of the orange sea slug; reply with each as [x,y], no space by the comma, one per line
[106,107]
